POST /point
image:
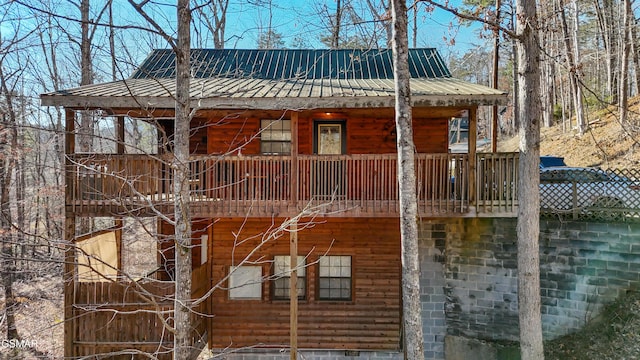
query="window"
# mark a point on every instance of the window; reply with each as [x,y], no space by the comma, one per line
[245,282]
[275,137]
[282,275]
[334,278]
[329,137]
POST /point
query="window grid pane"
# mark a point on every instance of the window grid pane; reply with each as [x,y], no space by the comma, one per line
[334,278]
[275,136]
[282,276]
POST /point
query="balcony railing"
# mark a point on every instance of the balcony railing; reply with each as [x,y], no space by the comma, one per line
[340,185]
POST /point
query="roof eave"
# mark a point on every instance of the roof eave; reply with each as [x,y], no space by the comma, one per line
[92,102]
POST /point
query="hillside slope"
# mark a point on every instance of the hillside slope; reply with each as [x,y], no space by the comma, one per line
[614,335]
[606,144]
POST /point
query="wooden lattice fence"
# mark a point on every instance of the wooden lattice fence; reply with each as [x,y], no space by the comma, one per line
[591,194]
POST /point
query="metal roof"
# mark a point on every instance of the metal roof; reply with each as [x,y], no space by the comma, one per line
[293,64]
[282,79]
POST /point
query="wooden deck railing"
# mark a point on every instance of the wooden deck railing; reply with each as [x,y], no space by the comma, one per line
[497,183]
[351,185]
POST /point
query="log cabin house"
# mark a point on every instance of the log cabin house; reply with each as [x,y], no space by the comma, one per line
[285,144]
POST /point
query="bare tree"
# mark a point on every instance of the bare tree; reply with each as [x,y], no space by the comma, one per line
[212,14]
[8,142]
[335,36]
[88,30]
[572,55]
[411,308]
[605,12]
[528,228]
[624,62]
[182,307]
[9,110]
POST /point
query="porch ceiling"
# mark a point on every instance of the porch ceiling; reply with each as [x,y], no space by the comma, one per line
[274,94]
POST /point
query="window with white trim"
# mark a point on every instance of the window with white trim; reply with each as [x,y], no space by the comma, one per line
[334,280]
[245,282]
[281,284]
[275,136]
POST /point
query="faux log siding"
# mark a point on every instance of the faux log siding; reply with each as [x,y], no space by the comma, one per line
[166,244]
[431,135]
[197,139]
[370,321]
[368,131]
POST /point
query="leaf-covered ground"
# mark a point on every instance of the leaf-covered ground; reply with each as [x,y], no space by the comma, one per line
[606,144]
[614,335]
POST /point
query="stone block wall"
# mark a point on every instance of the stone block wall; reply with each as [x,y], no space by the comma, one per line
[433,237]
[583,266]
[481,279]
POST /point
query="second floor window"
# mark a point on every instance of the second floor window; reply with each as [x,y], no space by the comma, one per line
[275,137]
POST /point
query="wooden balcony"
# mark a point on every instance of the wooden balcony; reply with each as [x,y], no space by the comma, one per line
[362,185]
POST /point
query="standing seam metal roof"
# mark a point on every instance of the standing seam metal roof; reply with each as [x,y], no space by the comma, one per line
[293,64]
[276,79]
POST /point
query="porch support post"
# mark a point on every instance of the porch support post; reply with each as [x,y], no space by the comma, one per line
[120,135]
[69,237]
[496,62]
[293,289]
[473,131]
[294,160]
[119,224]
[120,149]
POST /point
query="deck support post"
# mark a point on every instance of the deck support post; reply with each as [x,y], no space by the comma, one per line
[120,148]
[119,223]
[293,184]
[473,161]
[69,237]
[293,289]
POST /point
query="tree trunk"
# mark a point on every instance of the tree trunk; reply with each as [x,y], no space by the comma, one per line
[635,51]
[7,165]
[86,125]
[570,56]
[606,19]
[112,44]
[577,72]
[528,227]
[514,72]
[335,38]
[220,17]
[624,63]
[494,82]
[411,306]
[86,77]
[182,310]
[547,80]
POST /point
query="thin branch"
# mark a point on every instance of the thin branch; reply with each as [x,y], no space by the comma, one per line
[462,15]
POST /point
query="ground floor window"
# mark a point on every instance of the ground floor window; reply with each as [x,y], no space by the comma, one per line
[334,278]
[245,282]
[282,276]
